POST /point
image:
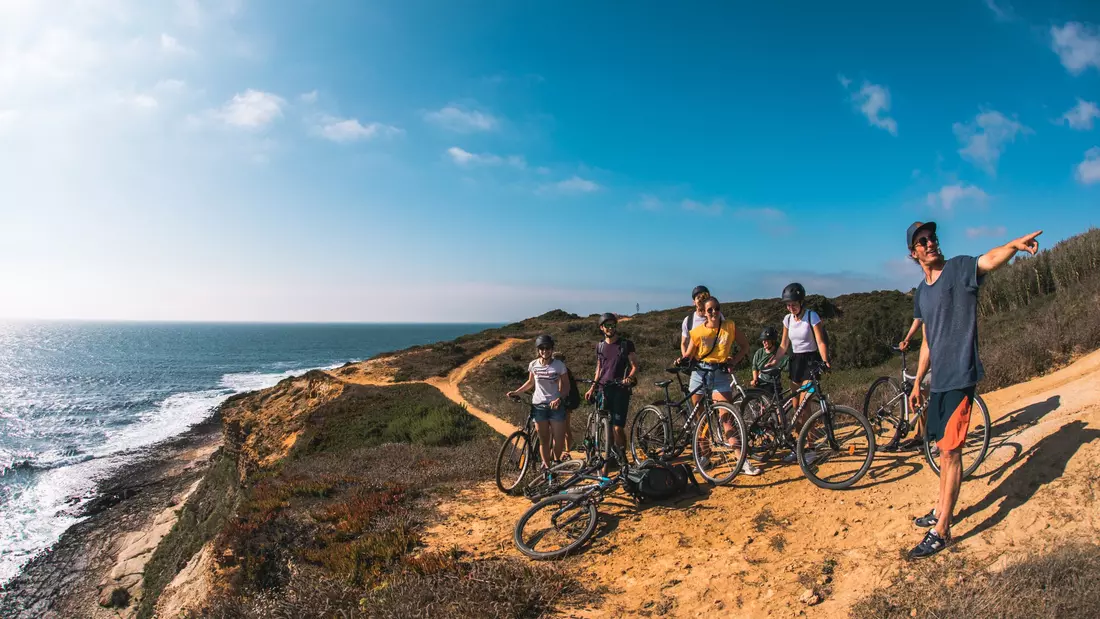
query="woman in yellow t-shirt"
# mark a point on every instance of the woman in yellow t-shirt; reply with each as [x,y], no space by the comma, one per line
[712,346]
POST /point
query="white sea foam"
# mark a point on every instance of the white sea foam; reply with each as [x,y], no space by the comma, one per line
[33,516]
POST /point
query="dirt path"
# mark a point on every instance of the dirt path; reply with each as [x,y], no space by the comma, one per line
[751,550]
[381,372]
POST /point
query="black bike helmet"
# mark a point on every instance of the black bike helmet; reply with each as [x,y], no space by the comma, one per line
[607,317]
[769,334]
[794,293]
[698,290]
[544,340]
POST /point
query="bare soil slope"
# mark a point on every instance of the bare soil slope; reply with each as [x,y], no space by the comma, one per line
[753,549]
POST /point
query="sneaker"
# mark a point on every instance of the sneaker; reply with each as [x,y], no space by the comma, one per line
[927,521]
[790,458]
[810,457]
[748,469]
[930,545]
[912,444]
[704,462]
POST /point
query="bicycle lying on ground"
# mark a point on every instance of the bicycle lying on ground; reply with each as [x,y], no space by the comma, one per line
[835,446]
[887,408]
[719,451]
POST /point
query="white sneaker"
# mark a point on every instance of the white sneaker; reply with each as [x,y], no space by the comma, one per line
[749,469]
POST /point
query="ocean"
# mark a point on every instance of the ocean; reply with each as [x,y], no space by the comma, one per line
[80,400]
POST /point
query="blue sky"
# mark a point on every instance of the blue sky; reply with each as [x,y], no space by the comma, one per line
[458,161]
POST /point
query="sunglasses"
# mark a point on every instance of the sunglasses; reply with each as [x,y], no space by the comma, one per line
[712,310]
[925,241]
[546,348]
[608,325]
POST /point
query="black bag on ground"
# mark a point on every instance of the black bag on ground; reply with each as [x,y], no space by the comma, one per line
[654,480]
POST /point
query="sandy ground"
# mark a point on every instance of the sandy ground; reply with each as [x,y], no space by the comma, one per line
[753,548]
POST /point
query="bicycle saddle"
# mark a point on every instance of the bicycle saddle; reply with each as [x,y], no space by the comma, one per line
[663,383]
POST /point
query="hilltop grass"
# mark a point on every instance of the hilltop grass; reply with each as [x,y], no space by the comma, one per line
[342,514]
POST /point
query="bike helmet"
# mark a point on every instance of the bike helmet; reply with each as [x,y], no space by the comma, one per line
[769,334]
[698,290]
[794,293]
[544,340]
[607,317]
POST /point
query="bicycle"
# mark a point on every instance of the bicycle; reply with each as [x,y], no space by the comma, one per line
[661,434]
[569,518]
[838,437]
[516,454]
[881,407]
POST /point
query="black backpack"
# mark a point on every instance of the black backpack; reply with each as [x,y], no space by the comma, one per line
[573,400]
[654,480]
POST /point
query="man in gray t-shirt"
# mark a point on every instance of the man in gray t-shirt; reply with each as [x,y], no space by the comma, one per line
[946,302]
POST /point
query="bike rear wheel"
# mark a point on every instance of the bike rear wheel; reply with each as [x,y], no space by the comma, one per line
[719,444]
[883,407]
[650,435]
[976,445]
[555,526]
[514,460]
[835,447]
[541,487]
[758,414]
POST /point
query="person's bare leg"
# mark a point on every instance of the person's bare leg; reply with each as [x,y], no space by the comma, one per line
[950,482]
[568,431]
[543,428]
[558,430]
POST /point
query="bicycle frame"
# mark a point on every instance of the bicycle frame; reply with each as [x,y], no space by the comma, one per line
[705,403]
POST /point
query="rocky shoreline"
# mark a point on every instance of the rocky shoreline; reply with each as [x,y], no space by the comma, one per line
[131,508]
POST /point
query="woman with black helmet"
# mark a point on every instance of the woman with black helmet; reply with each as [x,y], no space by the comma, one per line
[803,335]
[549,378]
[769,340]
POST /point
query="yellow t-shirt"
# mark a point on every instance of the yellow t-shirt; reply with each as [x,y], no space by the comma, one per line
[716,351]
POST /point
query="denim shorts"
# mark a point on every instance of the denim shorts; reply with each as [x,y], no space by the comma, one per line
[543,412]
[716,381]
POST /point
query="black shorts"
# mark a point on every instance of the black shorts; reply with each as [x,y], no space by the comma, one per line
[616,401]
[800,365]
[948,418]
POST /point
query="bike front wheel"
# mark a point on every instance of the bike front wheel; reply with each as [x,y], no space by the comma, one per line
[883,407]
[650,435]
[513,461]
[555,526]
[835,447]
[976,445]
[719,444]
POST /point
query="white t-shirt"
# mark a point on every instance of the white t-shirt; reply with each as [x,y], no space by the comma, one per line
[546,380]
[801,332]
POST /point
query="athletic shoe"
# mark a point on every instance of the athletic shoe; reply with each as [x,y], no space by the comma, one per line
[911,444]
[927,520]
[930,545]
[704,462]
[748,469]
[790,458]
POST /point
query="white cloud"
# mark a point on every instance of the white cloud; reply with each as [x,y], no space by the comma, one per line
[648,202]
[985,139]
[542,170]
[252,109]
[950,195]
[1080,117]
[844,81]
[995,232]
[143,101]
[308,97]
[351,130]
[1003,13]
[873,101]
[769,220]
[460,120]
[464,158]
[1077,45]
[1088,171]
[171,45]
[570,186]
[715,207]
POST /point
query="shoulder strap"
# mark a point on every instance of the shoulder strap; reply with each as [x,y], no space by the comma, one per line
[717,334]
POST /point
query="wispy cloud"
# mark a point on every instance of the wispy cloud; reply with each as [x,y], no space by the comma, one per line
[985,139]
[252,109]
[1081,115]
[1001,9]
[1088,171]
[950,195]
[308,97]
[466,158]
[873,101]
[714,207]
[345,130]
[459,120]
[171,45]
[769,220]
[1077,45]
[985,231]
[648,202]
[574,185]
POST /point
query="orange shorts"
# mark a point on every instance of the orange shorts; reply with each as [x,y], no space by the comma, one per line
[949,417]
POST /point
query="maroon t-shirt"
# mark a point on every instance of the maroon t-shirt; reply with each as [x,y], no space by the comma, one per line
[614,359]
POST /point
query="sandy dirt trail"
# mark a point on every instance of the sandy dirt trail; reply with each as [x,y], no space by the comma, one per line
[753,548]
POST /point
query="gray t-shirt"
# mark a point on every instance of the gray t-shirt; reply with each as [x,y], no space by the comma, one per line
[949,309]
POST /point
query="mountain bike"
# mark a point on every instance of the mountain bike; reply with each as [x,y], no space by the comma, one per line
[887,408]
[516,454]
[563,522]
[719,451]
[835,446]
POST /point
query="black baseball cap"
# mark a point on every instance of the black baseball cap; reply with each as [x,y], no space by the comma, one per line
[916,227]
[698,290]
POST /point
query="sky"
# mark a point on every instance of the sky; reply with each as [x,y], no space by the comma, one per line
[414,161]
